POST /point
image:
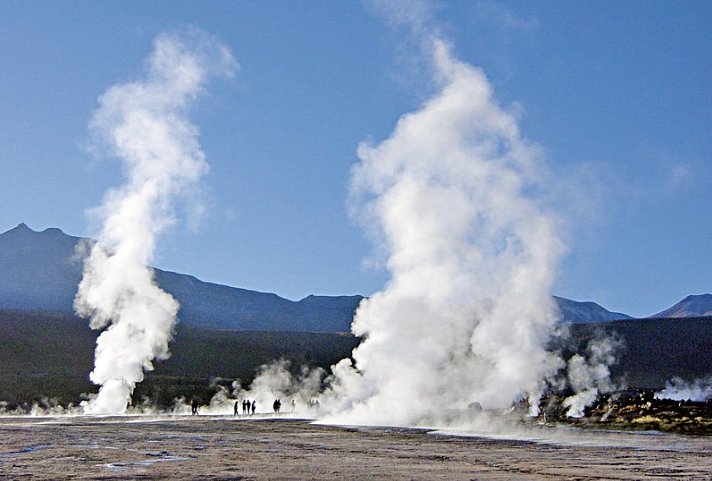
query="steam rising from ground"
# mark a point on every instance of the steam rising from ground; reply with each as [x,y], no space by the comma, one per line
[588,374]
[273,381]
[699,390]
[145,124]
[451,197]
[454,201]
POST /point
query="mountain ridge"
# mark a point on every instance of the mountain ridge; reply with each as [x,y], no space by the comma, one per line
[587,311]
[694,305]
[41,270]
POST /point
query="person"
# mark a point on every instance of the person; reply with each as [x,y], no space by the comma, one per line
[245,403]
[194,407]
[276,405]
[237,406]
[254,406]
[294,405]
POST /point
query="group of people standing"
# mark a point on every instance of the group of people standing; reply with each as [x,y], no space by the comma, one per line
[247,407]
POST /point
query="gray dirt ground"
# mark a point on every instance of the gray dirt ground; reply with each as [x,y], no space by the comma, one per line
[221,448]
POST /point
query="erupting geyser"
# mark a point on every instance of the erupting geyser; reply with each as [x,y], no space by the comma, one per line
[145,125]
[452,197]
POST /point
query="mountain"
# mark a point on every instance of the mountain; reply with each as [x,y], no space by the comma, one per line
[217,306]
[691,306]
[40,271]
[585,312]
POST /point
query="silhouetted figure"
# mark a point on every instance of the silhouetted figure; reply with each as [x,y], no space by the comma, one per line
[276,405]
[254,406]
[194,407]
[237,407]
[245,408]
[294,405]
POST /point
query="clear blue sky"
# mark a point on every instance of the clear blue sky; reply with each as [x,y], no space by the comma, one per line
[618,94]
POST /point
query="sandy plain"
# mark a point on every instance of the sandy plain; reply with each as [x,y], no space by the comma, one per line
[229,448]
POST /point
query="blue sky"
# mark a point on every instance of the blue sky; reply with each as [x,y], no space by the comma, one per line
[617,94]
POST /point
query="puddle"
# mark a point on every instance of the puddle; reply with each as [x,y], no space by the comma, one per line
[154,457]
[25,450]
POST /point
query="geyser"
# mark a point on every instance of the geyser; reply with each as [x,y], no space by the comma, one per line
[453,199]
[145,124]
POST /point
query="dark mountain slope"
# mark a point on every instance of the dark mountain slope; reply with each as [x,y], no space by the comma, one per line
[51,356]
[45,355]
[656,350]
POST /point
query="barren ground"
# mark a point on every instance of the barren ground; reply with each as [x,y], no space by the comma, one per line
[221,448]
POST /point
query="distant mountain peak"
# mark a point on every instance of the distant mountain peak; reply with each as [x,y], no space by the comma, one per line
[584,312]
[698,298]
[24,229]
[21,228]
[695,305]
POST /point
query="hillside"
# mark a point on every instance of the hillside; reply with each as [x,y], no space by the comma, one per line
[51,356]
[656,350]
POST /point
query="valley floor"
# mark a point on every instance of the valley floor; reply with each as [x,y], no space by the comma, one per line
[223,447]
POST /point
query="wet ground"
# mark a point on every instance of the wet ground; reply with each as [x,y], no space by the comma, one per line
[222,448]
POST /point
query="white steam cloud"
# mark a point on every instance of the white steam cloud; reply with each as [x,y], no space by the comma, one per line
[145,125]
[452,198]
[455,201]
[699,390]
[296,391]
[589,375]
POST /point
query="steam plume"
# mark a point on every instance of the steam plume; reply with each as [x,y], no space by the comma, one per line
[699,390]
[145,125]
[451,197]
[589,374]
